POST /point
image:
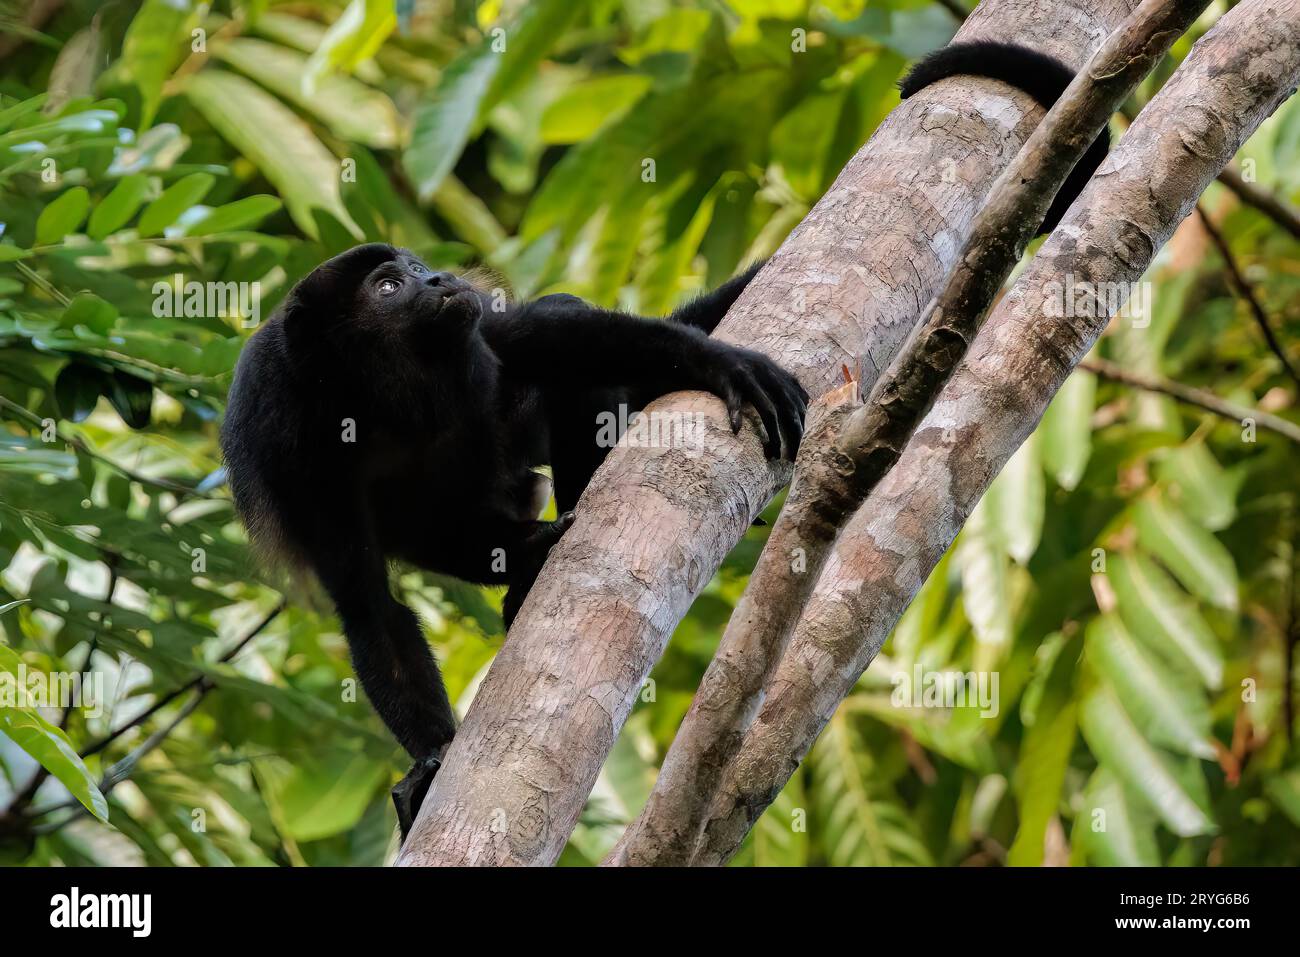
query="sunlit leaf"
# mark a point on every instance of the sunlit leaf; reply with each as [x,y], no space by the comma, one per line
[1194,555]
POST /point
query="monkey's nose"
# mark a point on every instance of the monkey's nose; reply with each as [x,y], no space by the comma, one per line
[444,279]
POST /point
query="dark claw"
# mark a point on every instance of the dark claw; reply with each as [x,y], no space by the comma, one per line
[741,377]
[409,793]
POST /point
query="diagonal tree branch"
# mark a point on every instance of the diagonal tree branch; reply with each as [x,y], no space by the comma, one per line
[1242,288]
[1233,79]
[1281,212]
[656,522]
[870,439]
[1192,396]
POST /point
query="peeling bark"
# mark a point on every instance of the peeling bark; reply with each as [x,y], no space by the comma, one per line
[656,523]
[1234,78]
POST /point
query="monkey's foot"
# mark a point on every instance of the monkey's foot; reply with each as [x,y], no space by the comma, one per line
[408,793]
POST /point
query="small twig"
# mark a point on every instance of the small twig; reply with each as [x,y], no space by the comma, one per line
[1244,290]
[194,682]
[37,279]
[1282,213]
[120,770]
[1193,396]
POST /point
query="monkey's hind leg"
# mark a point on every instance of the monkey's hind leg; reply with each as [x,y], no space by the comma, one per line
[396,668]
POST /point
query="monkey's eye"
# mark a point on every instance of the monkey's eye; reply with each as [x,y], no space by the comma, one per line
[387,287]
[418,269]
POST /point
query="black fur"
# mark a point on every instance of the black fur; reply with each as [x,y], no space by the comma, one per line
[453,405]
[1041,76]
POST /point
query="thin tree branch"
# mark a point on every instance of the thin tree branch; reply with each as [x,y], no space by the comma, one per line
[1234,77]
[1244,290]
[196,682]
[1281,212]
[1193,396]
[868,439]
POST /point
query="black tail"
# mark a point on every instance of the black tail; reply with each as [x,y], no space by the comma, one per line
[1041,76]
[706,311]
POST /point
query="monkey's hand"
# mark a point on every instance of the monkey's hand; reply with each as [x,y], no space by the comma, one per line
[527,560]
[409,793]
[739,377]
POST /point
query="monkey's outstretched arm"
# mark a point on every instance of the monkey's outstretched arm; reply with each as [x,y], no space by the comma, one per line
[561,341]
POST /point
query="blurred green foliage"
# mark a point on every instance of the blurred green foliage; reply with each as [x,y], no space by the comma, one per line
[1130,576]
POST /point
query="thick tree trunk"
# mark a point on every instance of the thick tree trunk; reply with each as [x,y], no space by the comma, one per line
[1234,78]
[656,522]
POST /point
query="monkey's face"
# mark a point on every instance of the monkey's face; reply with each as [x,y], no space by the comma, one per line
[375,290]
[403,292]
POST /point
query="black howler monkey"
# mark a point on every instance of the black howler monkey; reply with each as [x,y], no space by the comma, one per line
[390,412]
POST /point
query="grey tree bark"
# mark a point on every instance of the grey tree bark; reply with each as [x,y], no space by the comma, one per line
[1235,77]
[656,523]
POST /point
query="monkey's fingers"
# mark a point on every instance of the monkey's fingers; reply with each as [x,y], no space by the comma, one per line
[786,392]
[734,402]
[773,440]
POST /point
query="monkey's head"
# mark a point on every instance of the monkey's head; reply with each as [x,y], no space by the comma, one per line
[374,290]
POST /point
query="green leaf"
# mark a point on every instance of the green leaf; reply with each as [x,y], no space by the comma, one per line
[77,389]
[1066,430]
[175,200]
[48,745]
[326,798]
[1283,789]
[62,216]
[132,398]
[1045,758]
[442,123]
[10,253]
[1019,502]
[237,215]
[1168,709]
[986,588]
[277,142]
[802,140]
[1195,556]
[156,149]
[155,42]
[580,111]
[475,82]
[116,209]
[352,39]
[87,309]
[468,215]
[1162,616]
[1207,491]
[78,63]
[858,824]
[350,109]
[1121,748]
[1117,830]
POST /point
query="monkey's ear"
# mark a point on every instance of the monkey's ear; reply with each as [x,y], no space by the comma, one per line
[332,285]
